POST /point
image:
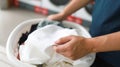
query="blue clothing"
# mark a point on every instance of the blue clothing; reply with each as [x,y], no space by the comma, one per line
[106,19]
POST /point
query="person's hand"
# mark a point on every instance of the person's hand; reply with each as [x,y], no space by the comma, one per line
[73,47]
[57,17]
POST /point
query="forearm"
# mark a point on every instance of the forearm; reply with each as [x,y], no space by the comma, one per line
[110,42]
[73,6]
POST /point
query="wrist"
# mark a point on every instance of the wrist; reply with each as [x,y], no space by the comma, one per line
[90,45]
[97,44]
[64,14]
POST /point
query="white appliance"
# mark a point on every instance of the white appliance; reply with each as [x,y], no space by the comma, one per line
[31,2]
[82,13]
[48,4]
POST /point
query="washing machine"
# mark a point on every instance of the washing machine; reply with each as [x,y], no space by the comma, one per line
[81,16]
[58,5]
[54,5]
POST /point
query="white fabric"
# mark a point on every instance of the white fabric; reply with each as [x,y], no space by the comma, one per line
[37,49]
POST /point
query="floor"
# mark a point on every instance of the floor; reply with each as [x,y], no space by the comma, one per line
[10,18]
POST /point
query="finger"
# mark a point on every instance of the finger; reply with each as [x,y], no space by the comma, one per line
[53,17]
[61,52]
[59,48]
[66,54]
[50,17]
[63,40]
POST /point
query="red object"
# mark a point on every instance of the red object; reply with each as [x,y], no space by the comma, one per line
[45,11]
[16,3]
[38,9]
[74,19]
[78,20]
[71,18]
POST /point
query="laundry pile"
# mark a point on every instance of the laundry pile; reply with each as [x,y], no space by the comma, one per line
[36,46]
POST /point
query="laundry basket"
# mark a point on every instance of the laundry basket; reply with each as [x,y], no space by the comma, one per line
[12,42]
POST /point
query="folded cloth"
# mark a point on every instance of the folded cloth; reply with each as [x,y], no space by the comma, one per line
[37,49]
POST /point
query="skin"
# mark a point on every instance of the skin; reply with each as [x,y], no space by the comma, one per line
[73,6]
[75,47]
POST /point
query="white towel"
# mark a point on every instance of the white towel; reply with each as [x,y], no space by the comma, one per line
[37,49]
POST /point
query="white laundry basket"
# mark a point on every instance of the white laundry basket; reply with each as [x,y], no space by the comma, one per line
[12,43]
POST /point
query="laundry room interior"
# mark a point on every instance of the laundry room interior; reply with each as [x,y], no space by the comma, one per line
[14,12]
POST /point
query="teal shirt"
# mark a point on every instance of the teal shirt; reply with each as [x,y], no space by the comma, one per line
[106,19]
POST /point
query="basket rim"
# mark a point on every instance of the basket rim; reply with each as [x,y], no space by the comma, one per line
[9,49]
